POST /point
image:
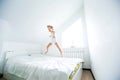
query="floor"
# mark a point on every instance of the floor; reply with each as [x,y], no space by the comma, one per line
[2,79]
[85,76]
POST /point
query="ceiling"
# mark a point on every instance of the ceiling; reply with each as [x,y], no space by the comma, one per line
[30,17]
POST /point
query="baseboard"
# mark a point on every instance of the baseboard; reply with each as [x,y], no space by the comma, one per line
[1,75]
[90,71]
[86,69]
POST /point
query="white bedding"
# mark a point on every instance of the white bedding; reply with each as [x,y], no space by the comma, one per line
[41,67]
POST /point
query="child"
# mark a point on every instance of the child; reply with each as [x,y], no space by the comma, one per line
[52,39]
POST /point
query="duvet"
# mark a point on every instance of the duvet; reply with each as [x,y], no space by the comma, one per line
[42,67]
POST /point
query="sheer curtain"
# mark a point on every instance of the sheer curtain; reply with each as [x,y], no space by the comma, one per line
[75,41]
[72,37]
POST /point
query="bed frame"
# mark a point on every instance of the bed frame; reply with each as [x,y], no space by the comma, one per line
[77,76]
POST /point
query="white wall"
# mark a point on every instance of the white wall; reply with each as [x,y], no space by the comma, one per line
[103,25]
[0,45]
[1,36]
[85,39]
[21,46]
[28,18]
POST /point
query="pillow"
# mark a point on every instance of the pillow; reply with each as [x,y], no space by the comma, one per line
[9,54]
[35,54]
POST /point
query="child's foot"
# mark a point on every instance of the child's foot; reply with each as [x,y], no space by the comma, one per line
[61,55]
[46,52]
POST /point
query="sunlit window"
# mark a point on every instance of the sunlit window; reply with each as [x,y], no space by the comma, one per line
[73,35]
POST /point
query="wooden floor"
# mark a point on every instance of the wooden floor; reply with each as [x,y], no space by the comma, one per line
[2,79]
[85,76]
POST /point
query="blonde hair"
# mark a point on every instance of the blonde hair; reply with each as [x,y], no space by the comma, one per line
[50,26]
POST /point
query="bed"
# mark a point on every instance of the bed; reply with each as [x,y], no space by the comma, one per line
[42,67]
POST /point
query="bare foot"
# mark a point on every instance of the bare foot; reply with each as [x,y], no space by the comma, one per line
[61,55]
[46,52]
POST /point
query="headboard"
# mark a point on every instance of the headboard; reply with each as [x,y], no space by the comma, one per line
[11,53]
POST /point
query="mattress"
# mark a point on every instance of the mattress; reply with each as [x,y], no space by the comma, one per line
[43,67]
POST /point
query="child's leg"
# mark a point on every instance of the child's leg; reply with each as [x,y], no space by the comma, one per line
[48,47]
[59,48]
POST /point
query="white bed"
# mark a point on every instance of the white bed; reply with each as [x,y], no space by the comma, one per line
[41,67]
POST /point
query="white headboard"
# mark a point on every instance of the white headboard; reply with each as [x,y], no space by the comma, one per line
[12,53]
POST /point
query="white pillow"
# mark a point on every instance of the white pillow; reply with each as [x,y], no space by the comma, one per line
[35,55]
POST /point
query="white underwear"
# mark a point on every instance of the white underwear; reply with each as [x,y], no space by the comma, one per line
[52,40]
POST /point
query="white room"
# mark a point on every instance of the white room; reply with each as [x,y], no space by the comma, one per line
[85,30]
[25,35]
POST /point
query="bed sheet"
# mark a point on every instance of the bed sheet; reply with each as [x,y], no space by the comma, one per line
[42,67]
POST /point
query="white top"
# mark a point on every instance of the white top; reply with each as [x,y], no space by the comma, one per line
[52,37]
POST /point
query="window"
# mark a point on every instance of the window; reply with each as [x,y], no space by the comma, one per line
[73,35]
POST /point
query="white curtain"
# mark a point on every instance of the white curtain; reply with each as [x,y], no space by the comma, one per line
[73,36]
